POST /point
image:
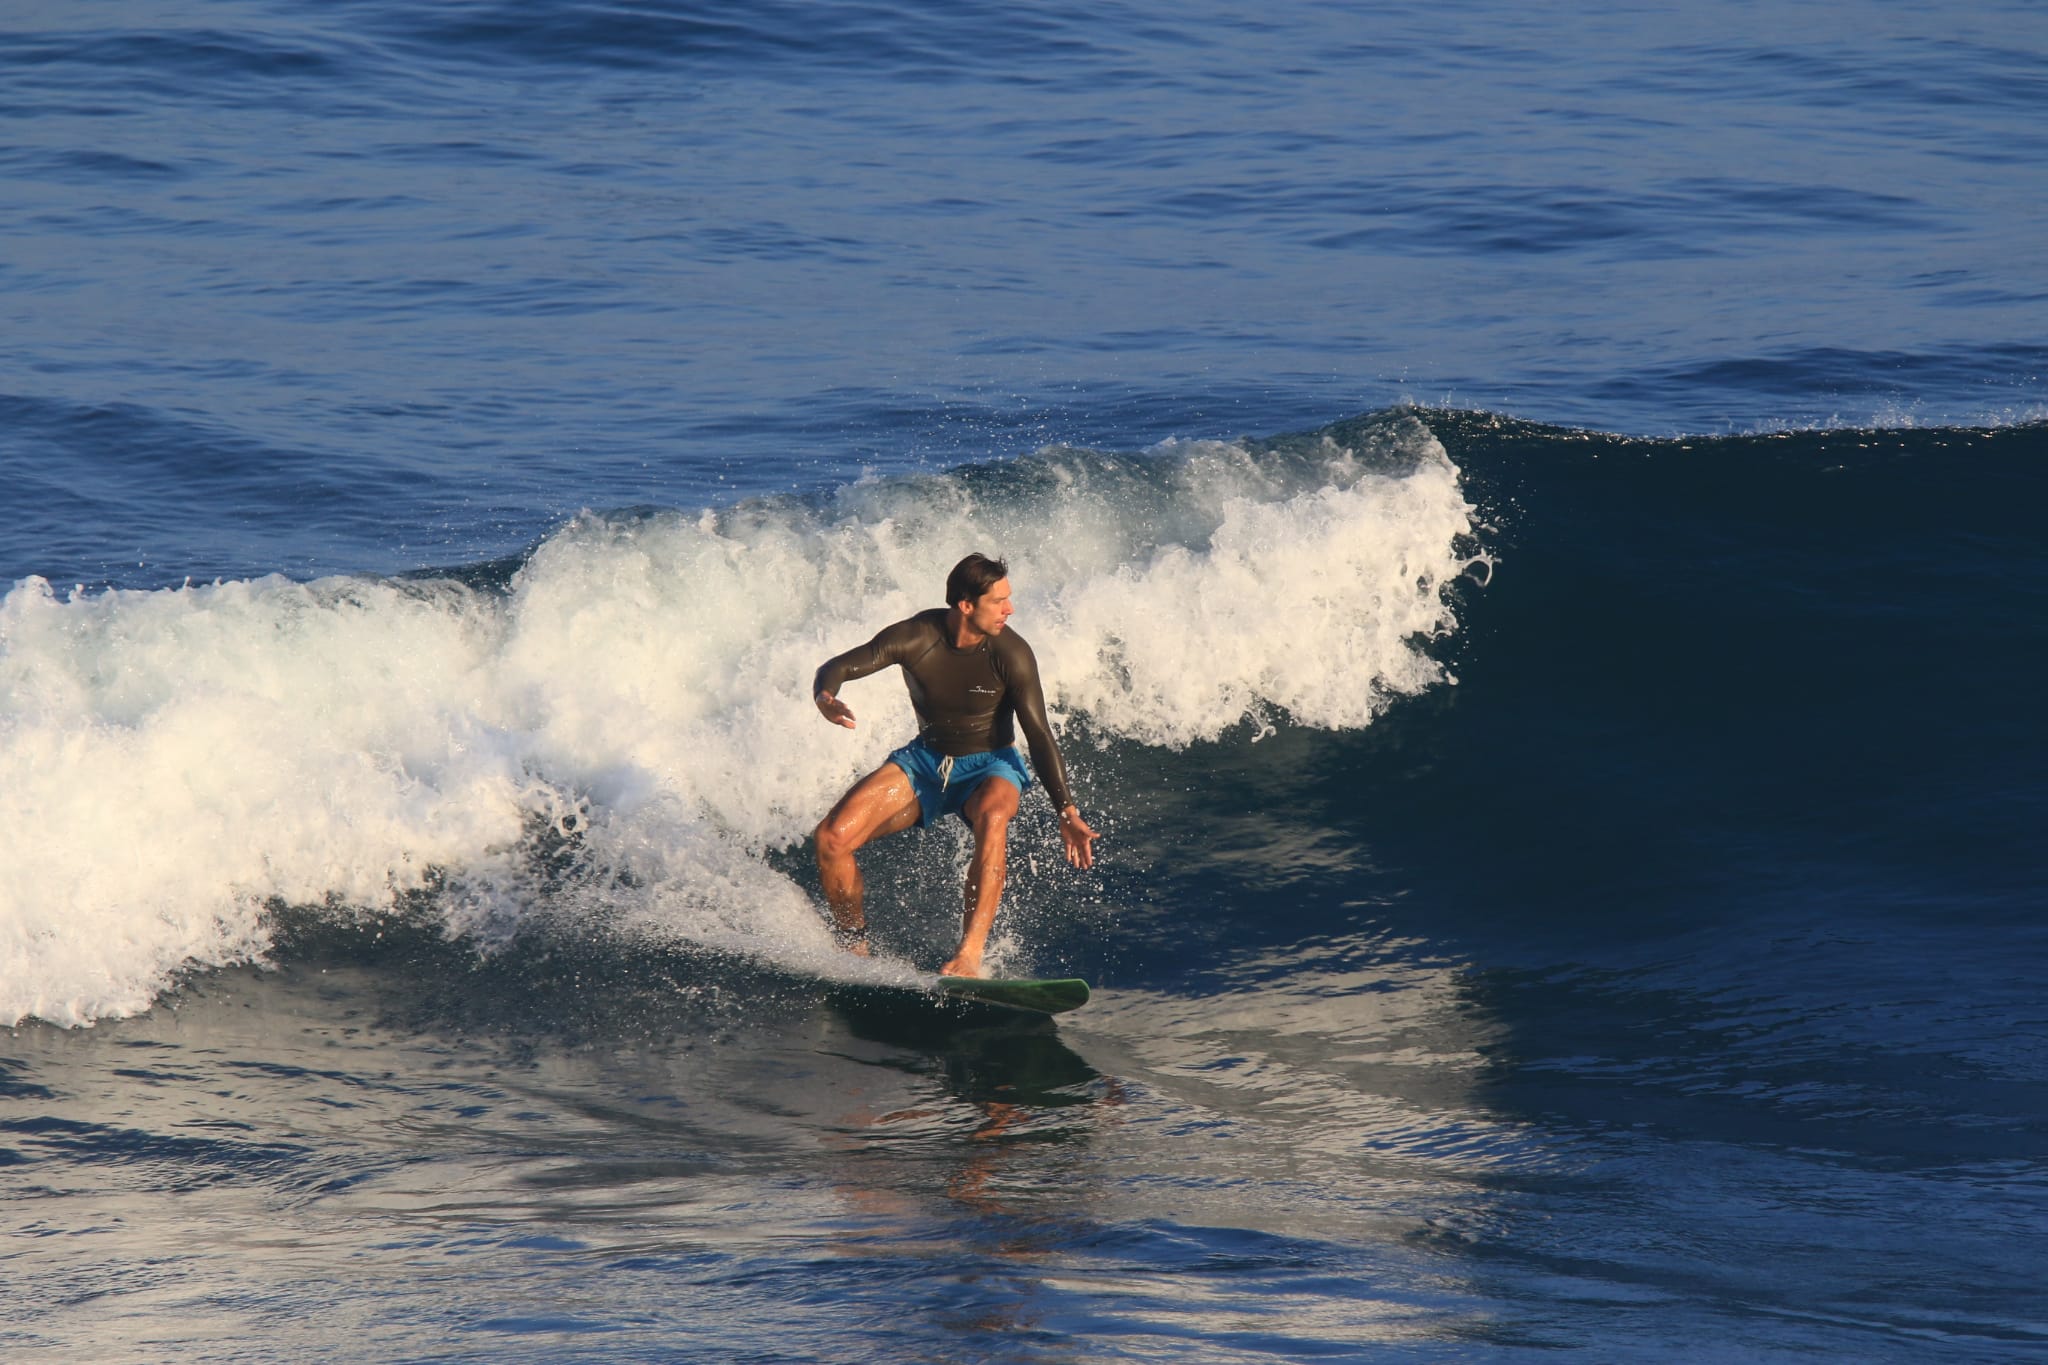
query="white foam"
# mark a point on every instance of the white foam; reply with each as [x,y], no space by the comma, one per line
[171,762]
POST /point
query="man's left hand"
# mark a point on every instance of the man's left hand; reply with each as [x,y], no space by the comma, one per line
[1078,838]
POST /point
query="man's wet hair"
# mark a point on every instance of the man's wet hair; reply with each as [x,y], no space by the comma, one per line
[972,577]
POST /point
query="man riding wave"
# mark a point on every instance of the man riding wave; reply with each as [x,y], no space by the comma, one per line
[973,682]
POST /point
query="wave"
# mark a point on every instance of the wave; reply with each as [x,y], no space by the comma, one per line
[1839,388]
[616,733]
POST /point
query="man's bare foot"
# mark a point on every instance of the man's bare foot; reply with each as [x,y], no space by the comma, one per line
[854,941]
[960,965]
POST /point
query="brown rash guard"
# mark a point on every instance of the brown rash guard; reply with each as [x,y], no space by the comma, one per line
[965,699]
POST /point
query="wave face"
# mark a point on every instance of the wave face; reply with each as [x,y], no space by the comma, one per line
[617,736]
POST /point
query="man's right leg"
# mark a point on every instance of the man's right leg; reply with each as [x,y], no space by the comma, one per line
[880,804]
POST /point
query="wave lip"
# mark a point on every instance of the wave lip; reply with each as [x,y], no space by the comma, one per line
[1317,603]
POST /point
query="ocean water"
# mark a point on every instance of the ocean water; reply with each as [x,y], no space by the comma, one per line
[1531,520]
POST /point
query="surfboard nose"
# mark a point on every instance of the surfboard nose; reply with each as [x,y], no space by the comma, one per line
[1051,996]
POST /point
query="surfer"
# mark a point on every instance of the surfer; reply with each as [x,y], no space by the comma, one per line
[972,682]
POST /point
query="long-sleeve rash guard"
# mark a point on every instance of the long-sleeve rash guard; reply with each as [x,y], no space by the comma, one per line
[965,699]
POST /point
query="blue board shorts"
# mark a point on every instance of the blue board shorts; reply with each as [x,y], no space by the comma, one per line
[940,793]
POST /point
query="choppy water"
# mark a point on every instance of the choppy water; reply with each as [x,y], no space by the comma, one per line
[1529,518]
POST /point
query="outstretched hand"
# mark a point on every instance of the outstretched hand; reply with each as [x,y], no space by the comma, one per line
[1078,837]
[834,710]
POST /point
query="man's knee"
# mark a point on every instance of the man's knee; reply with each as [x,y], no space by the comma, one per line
[834,839]
[991,825]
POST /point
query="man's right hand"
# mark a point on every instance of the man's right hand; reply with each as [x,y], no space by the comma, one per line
[834,710]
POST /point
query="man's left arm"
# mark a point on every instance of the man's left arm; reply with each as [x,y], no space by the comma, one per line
[1028,697]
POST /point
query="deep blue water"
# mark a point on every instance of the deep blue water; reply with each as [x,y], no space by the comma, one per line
[1530,520]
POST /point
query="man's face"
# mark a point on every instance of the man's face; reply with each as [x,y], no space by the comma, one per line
[992,609]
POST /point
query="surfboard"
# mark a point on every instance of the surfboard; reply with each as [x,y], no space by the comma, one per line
[1053,996]
[906,1013]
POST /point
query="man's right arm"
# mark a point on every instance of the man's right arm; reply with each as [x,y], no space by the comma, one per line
[885,649]
[872,657]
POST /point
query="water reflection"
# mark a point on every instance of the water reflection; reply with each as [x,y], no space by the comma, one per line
[994,1079]
[970,1150]
[1288,1158]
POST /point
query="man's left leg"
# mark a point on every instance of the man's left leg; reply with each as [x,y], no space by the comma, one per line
[989,812]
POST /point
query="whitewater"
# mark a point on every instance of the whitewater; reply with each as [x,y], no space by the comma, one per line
[191,758]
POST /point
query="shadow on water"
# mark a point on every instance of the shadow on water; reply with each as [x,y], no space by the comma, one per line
[984,1052]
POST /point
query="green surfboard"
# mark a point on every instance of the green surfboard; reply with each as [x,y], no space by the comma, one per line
[1055,996]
